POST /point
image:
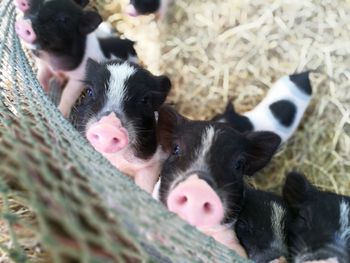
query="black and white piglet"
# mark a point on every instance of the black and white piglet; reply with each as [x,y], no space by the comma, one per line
[61,35]
[202,182]
[118,117]
[145,7]
[280,111]
[261,226]
[319,230]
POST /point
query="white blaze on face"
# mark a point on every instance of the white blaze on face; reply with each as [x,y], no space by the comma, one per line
[278,214]
[116,93]
[202,152]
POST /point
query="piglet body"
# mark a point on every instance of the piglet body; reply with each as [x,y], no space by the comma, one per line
[280,111]
[319,229]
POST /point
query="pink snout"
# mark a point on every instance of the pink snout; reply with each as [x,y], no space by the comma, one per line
[25,30]
[131,10]
[22,5]
[108,135]
[196,202]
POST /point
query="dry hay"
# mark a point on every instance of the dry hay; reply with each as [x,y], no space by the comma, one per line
[217,51]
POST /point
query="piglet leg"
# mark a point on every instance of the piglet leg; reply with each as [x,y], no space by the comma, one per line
[226,236]
[70,95]
[44,74]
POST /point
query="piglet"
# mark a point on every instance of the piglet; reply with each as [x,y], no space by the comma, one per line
[319,229]
[202,182]
[61,35]
[145,7]
[261,226]
[118,117]
[280,111]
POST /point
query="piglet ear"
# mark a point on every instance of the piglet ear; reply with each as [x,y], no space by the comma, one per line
[168,121]
[160,93]
[296,190]
[262,146]
[89,21]
[92,67]
[81,3]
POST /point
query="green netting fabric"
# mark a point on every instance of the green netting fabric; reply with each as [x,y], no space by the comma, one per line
[85,209]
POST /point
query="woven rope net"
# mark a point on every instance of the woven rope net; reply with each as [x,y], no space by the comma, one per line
[85,210]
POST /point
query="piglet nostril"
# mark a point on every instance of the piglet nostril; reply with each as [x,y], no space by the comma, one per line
[182,200]
[28,32]
[207,207]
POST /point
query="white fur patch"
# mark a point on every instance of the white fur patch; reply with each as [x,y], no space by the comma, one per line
[155,193]
[262,118]
[344,230]
[116,93]
[277,216]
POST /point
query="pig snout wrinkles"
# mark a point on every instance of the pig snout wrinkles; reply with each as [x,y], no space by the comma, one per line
[196,202]
[23,5]
[25,31]
[108,135]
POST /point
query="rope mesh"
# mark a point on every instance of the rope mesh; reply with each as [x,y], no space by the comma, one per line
[85,210]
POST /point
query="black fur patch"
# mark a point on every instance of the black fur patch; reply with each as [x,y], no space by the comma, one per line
[239,122]
[254,227]
[302,81]
[120,48]
[144,7]
[315,221]
[284,111]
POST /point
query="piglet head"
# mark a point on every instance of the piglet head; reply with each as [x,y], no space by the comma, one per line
[118,110]
[202,180]
[319,230]
[58,28]
[143,7]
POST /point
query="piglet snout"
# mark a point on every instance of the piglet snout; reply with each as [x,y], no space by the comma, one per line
[22,5]
[108,135]
[196,202]
[25,30]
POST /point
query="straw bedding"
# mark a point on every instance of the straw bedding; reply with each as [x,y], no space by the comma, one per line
[221,51]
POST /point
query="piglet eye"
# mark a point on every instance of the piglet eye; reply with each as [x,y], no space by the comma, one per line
[176,150]
[145,100]
[90,92]
[239,164]
[62,19]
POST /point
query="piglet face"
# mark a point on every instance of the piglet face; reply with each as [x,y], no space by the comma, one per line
[57,27]
[319,230]
[118,110]
[143,7]
[202,179]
